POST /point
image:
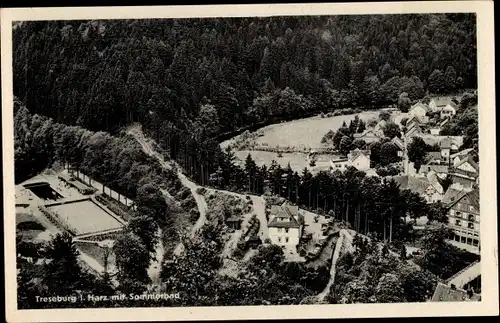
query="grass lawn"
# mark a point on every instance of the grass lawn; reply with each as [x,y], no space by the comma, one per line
[307,132]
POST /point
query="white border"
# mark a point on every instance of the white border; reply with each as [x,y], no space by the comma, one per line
[486,89]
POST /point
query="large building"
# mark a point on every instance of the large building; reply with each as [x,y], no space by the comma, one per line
[357,158]
[464,218]
[285,225]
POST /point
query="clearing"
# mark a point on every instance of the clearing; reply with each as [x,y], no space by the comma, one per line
[303,132]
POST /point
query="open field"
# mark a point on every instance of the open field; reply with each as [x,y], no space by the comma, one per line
[86,217]
[304,132]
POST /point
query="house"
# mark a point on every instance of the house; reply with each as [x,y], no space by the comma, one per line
[434,158]
[339,164]
[421,186]
[360,159]
[467,164]
[414,120]
[445,145]
[369,135]
[435,131]
[445,293]
[465,174]
[414,130]
[400,145]
[233,222]
[437,193]
[431,140]
[419,110]
[457,157]
[464,219]
[285,225]
[379,128]
[440,170]
[445,106]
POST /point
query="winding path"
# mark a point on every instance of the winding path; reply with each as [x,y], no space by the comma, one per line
[136,132]
[343,236]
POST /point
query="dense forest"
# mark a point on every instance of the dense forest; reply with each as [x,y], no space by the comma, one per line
[189,81]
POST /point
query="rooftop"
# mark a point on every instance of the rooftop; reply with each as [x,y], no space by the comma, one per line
[445,293]
[469,160]
[285,216]
[357,152]
[417,185]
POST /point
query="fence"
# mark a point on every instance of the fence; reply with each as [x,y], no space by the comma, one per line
[106,190]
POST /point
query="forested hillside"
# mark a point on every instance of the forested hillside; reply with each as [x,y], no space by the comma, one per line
[190,80]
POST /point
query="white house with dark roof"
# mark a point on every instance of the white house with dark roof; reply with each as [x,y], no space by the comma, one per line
[285,225]
[360,159]
[445,106]
[357,158]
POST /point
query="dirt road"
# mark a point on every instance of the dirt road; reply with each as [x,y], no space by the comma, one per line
[147,147]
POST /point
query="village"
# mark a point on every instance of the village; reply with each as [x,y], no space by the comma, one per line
[282,160]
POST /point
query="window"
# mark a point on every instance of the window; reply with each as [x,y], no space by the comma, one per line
[452,212]
[459,205]
[471,208]
[458,222]
[286,239]
[475,242]
[279,229]
[279,239]
[471,217]
[286,231]
[470,225]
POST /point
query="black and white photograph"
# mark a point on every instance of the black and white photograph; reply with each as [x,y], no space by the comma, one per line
[250,160]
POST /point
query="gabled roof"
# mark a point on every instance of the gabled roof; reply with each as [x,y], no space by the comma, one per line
[445,293]
[285,211]
[357,152]
[414,184]
[367,132]
[456,195]
[444,101]
[469,160]
[434,181]
[436,168]
[462,153]
[398,142]
[414,119]
[414,127]
[434,155]
[451,196]
[445,143]
[420,104]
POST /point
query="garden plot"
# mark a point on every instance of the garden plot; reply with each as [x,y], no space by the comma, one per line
[85,217]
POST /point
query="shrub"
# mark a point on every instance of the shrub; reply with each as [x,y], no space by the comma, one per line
[337,113]
[357,110]
[201,190]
